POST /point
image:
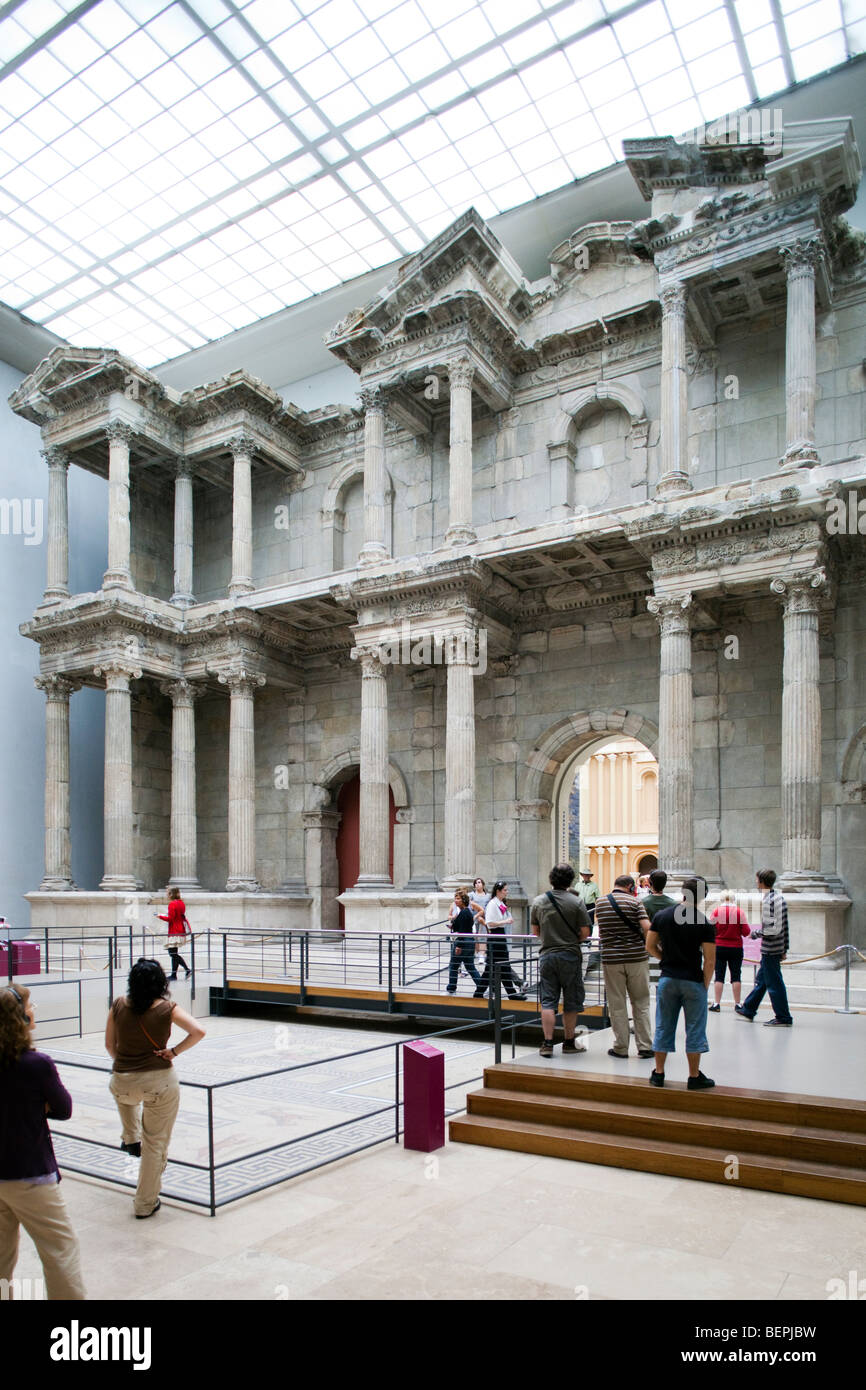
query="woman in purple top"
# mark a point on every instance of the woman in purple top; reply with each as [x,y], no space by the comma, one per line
[30,1196]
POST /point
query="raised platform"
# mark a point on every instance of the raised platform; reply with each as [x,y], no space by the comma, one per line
[768,1123]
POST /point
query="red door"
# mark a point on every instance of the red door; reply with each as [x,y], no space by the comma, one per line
[348,836]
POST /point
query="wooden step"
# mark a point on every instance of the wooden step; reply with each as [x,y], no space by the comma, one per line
[730,1133]
[570,1081]
[769,1173]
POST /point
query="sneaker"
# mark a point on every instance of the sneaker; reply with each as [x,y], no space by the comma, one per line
[450,991]
[146,1214]
[738,1009]
[172,977]
[517,996]
[187,975]
[714,1008]
[657,1078]
[479,994]
[777,1023]
[134,1150]
[573,1045]
[646,1054]
[699,1082]
[611,1052]
[546,1049]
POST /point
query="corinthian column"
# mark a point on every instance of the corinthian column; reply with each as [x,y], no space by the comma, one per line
[118,873]
[242,686]
[241,582]
[374,548]
[676,773]
[183,695]
[460,866]
[674,394]
[183,594]
[801,731]
[118,574]
[800,260]
[460,375]
[375,829]
[57,551]
[58,852]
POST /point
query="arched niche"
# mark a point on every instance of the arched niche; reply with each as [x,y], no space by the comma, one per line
[343,515]
[592,408]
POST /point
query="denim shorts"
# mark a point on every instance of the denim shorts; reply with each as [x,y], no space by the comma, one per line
[560,972]
[691,997]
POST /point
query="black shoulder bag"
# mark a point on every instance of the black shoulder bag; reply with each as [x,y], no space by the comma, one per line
[555,904]
[622,917]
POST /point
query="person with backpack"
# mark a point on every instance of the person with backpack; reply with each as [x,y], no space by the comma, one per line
[561,922]
[623,923]
[178,932]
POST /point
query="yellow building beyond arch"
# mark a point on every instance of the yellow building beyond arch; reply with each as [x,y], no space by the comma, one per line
[619,811]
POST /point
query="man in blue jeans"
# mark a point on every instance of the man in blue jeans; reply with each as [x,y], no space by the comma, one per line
[773,932]
[685,943]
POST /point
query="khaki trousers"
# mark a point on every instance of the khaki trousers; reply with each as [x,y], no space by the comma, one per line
[147,1102]
[629,980]
[41,1210]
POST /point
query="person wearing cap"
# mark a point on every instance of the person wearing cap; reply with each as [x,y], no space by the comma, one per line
[588,889]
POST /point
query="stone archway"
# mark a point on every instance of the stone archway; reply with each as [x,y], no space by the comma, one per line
[334,512]
[544,768]
[562,449]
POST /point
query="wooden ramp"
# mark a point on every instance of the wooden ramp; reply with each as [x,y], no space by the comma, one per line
[808,1146]
[408,1002]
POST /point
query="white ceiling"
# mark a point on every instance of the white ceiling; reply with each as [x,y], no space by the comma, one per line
[172,172]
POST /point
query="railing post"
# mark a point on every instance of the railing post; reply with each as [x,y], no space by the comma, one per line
[397,1093]
[192,965]
[212,1170]
[497,1014]
[209,935]
[80,1030]
[225,963]
[302,985]
[380,960]
[390,974]
[284,956]
[110,974]
[846,1009]
[46,950]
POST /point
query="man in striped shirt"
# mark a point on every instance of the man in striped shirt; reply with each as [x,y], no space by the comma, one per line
[623,923]
[773,932]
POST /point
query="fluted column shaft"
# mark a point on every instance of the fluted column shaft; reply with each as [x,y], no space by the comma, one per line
[801,729]
[460,374]
[57,548]
[118,873]
[460,799]
[374,867]
[676,772]
[183,518]
[800,259]
[118,574]
[241,582]
[183,694]
[374,548]
[58,849]
[242,686]
[674,476]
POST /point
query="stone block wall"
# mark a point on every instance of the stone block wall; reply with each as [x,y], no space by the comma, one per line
[152,544]
[151,786]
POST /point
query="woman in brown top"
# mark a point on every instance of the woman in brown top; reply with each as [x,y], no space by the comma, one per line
[143,1080]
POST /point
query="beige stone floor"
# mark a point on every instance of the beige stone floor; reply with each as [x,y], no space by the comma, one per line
[469,1223]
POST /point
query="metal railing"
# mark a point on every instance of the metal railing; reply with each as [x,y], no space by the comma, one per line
[211,1200]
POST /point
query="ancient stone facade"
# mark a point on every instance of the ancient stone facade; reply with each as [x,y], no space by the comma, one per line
[607,502]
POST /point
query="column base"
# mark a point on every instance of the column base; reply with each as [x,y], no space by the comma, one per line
[117,579]
[451,882]
[803,454]
[238,588]
[52,596]
[669,484]
[373,883]
[373,553]
[422,883]
[191,885]
[118,883]
[242,885]
[803,881]
[294,888]
[54,884]
[183,600]
[460,535]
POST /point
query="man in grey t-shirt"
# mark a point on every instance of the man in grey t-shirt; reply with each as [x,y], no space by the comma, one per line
[561,922]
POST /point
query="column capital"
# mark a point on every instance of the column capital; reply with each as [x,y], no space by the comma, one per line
[56,457]
[117,674]
[372,663]
[461,371]
[119,432]
[182,467]
[241,678]
[672,613]
[802,591]
[372,398]
[57,687]
[673,299]
[803,256]
[241,443]
[182,691]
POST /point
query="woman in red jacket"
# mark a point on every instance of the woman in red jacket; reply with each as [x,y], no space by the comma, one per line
[731,926]
[178,931]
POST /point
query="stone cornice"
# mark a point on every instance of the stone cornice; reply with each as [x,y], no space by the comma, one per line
[441,579]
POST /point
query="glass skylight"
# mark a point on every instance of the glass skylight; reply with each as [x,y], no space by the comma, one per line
[171,170]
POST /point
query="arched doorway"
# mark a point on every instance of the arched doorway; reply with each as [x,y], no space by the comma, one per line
[348,844]
[606,810]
